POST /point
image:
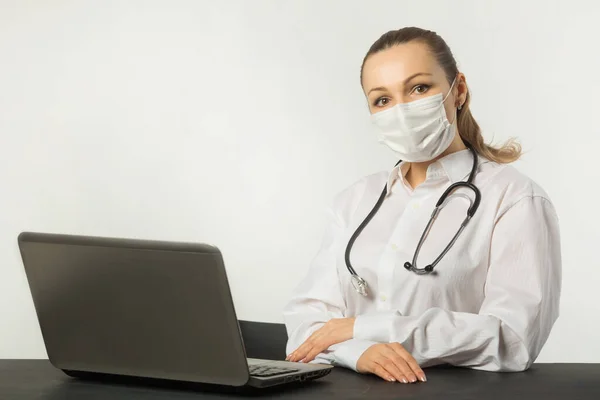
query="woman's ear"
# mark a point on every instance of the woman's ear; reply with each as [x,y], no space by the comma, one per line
[461,90]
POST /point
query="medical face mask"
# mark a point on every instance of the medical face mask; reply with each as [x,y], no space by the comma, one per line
[416,131]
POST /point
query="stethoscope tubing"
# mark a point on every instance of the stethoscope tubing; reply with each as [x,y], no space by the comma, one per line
[361,285]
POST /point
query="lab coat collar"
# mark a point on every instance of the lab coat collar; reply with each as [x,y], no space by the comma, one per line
[455,167]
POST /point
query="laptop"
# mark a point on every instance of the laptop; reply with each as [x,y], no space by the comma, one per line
[143,309]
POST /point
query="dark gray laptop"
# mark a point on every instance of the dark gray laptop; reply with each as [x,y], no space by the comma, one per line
[145,309]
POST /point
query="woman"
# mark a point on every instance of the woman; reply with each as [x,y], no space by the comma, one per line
[491,300]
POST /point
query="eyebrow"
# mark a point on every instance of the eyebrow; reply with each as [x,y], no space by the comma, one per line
[410,78]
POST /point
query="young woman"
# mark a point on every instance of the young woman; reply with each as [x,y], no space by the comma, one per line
[395,288]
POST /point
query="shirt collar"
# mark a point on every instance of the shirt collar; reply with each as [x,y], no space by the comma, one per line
[455,167]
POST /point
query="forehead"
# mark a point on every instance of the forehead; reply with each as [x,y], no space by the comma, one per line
[392,66]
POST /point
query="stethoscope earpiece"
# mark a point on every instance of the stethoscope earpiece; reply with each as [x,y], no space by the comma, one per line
[360,285]
[428,269]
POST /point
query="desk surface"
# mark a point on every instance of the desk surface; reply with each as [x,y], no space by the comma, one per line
[29,380]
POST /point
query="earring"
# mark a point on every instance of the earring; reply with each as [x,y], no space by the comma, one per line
[460,107]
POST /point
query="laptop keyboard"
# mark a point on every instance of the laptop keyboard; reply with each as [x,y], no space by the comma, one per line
[264,370]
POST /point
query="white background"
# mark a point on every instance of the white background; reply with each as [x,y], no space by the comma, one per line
[236,122]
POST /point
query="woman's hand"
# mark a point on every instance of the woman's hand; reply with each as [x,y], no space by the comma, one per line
[335,331]
[391,362]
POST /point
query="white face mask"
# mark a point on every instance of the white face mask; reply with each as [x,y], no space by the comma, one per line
[416,131]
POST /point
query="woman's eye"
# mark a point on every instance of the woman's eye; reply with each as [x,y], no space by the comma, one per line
[382,101]
[420,89]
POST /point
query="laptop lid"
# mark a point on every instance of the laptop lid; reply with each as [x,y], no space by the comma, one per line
[135,307]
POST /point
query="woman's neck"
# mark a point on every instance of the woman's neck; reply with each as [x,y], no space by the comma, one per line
[417,171]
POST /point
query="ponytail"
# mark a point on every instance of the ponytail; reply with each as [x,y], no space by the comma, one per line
[471,132]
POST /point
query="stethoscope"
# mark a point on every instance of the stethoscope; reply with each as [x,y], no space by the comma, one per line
[360,285]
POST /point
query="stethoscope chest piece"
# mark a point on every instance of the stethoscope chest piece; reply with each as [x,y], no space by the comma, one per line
[360,285]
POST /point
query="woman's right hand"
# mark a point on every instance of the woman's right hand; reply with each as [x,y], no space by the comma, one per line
[391,362]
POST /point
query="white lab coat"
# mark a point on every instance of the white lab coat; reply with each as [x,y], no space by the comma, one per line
[494,297]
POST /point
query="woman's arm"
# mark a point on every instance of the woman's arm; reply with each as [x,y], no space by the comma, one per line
[318,298]
[521,303]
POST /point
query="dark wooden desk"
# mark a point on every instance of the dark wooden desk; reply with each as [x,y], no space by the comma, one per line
[37,380]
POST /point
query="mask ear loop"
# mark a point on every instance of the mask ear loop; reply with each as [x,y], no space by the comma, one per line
[448,94]
[449,91]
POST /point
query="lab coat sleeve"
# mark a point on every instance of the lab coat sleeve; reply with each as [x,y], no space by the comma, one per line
[521,304]
[318,298]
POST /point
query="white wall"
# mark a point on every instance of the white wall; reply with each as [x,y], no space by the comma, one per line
[235,123]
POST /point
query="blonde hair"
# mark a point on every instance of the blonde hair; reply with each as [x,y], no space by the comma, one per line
[471,133]
[468,128]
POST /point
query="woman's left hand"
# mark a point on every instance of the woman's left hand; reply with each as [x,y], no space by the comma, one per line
[335,331]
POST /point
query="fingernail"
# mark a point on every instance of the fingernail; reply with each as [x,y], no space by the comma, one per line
[413,380]
[391,380]
[423,378]
[404,380]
